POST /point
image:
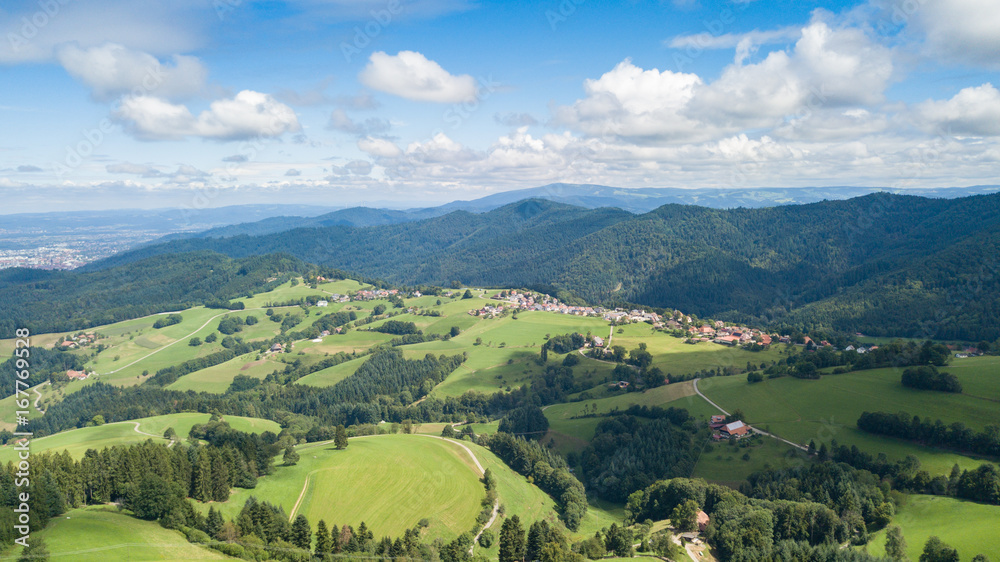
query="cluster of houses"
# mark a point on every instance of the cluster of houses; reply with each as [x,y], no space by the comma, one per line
[78,375]
[526,300]
[619,316]
[732,430]
[722,334]
[369,295]
[77,341]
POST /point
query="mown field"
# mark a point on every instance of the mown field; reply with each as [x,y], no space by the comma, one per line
[101,533]
[970,528]
[390,482]
[77,441]
[827,409]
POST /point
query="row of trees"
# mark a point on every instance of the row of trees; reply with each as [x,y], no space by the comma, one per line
[954,436]
[546,469]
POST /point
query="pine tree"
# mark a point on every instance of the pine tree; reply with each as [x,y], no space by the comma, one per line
[35,552]
[220,478]
[301,533]
[512,540]
[213,526]
[340,439]
[538,535]
[202,478]
[322,539]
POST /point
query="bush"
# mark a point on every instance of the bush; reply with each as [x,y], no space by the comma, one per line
[487,538]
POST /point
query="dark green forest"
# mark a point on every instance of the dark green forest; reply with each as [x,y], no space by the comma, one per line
[880,264]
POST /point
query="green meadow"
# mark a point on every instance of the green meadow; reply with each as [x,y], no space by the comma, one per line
[77,441]
[102,533]
[390,482]
[971,528]
[827,409]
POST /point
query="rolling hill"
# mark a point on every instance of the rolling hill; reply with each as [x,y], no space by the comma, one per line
[882,264]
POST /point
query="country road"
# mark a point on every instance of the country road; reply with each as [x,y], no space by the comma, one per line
[755,430]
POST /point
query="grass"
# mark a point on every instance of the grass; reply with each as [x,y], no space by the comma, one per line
[101,533]
[968,527]
[78,441]
[827,409]
[723,462]
[332,375]
[390,482]
[216,379]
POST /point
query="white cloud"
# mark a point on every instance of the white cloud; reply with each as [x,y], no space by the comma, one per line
[33,32]
[143,170]
[631,102]
[248,114]
[960,30]
[826,67]
[411,75]
[972,111]
[340,121]
[111,70]
[439,149]
[379,147]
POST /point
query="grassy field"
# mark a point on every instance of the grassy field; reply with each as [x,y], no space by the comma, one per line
[217,379]
[971,528]
[77,441]
[723,462]
[332,375]
[100,533]
[827,409]
[390,482]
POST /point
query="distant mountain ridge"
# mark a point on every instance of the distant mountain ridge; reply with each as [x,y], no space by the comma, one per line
[882,264]
[590,196]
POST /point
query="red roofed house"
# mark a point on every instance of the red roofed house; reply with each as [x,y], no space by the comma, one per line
[702,521]
[76,375]
[735,429]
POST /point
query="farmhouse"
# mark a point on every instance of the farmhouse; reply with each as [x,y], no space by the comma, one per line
[76,375]
[702,521]
[734,430]
[598,341]
[322,303]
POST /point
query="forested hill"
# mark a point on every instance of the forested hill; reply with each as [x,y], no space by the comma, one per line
[880,264]
[49,301]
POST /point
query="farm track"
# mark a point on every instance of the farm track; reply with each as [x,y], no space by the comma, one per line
[760,431]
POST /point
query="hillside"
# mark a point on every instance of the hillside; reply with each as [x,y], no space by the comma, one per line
[880,264]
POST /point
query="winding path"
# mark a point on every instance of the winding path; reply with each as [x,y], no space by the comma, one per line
[755,430]
[39,396]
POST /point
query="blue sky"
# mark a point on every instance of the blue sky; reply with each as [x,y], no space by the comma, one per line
[392,102]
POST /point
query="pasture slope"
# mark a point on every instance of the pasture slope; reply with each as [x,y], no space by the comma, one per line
[77,441]
[971,528]
[827,409]
[101,533]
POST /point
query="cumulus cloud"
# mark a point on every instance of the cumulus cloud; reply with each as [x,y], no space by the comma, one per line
[293,172]
[629,101]
[354,167]
[972,111]
[379,147]
[340,121]
[235,158]
[28,168]
[826,67]
[961,30]
[248,114]
[111,70]
[413,76]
